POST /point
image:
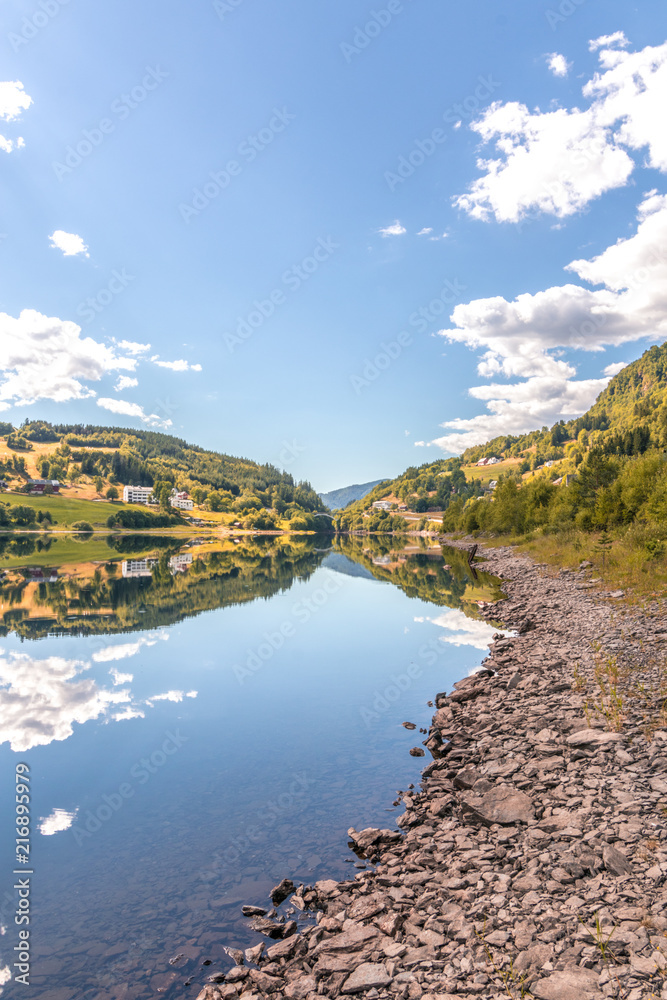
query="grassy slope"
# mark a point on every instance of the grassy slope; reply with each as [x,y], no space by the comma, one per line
[67,509]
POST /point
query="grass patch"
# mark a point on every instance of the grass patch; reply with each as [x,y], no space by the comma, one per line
[626,564]
[66,510]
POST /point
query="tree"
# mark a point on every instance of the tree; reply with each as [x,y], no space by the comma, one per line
[112,493]
[99,483]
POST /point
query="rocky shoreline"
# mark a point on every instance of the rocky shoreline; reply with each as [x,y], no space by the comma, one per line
[533,857]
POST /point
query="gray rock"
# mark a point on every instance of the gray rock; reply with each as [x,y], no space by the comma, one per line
[592,737]
[615,861]
[503,804]
[368,976]
[572,984]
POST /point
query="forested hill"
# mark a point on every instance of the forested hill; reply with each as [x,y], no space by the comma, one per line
[604,470]
[634,400]
[70,452]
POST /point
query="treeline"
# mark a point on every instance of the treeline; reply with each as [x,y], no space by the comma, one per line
[610,491]
[430,487]
[143,458]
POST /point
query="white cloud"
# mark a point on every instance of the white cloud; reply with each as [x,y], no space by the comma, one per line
[126,382]
[524,337]
[558,64]
[396,229]
[59,820]
[175,696]
[461,630]
[426,231]
[42,699]
[614,369]
[176,366]
[69,243]
[13,100]
[119,678]
[558,161]
[122,650]
[47,358]
[520,407]
[609,41]
[128,409]
[132,347]
[129,713]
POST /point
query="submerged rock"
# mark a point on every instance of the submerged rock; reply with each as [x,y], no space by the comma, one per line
[281,891]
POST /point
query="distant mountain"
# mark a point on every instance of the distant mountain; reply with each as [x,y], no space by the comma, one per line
[337,499]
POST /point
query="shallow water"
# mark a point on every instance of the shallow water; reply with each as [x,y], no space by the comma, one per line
[200,722]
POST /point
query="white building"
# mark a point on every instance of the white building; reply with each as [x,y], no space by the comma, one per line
[182,501]
[137,494]
[382,505]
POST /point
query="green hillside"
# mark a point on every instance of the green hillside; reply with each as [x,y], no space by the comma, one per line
[605,471]
[93,460]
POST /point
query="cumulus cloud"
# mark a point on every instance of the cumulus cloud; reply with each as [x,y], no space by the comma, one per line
[69,243]
[132,347]
[56,822]
[614,369]
[175,366]
[127,409]
[13,100]
[122,650]
[556,162]
[40,700]
[126,382]
[47,358]
[396,229]
[618,40]
[119,678]
[461,630]
[524,337]
[558,64]
[426,231]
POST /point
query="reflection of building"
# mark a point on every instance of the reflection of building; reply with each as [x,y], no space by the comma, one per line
[42,575]
[144,567]
[181,500]
[179,563]
[137,494]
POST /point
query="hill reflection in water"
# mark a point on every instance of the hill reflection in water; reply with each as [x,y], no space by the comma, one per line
[135,582]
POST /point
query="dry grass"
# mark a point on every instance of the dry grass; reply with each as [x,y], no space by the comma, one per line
[627,565]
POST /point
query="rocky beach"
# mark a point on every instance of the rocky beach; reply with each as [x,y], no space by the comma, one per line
[532,859]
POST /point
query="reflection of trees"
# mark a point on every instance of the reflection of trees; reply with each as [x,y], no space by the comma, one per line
[105,602]
[422,573]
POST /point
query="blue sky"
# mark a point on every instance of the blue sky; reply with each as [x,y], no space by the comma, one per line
[217,185]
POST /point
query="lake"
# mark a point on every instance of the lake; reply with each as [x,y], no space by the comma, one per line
[199,721]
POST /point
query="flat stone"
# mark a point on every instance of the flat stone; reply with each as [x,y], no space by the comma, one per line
[572,984]
[368,976]
[615,861]
[503,804]
[299,988]
[592,737]
[351,940]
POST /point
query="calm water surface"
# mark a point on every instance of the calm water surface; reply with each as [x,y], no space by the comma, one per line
[200,722]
